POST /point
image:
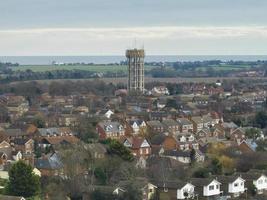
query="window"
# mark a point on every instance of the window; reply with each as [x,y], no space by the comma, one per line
[241,183]
[211,187]
[217,186]
[236,185]
[260,181]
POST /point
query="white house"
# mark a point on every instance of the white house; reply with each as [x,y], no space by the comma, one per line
[234,185]
[208,187]
[212,188]
[186,191]
[260,183]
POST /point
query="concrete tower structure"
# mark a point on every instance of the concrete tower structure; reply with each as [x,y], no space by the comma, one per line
[136,79]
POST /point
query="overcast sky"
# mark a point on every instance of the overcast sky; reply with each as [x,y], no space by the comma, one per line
[108,27]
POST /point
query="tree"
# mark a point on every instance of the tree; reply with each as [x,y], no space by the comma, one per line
[261,119]
[253,133]
[119,149]
[216,166]
[86,129]
[132,192]
[201,173]
[38,121]
[22,180]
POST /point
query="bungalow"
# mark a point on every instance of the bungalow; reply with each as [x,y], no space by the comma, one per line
[234,185]
[186,191]
[138,145]
[207,187]
[108,129]
[258,179]
[176,189]
[148,189]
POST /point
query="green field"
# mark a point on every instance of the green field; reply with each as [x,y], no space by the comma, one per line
[225,67]
[93,68]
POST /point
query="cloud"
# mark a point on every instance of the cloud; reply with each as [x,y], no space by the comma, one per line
[157,40]
[142,32]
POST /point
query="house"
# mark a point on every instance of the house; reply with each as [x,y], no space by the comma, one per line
[68,120]
[186,142]
[179,155]
[138,145]
[137,125]
[108,129]
[258,179]
[159,115]
[185,125]
[148,189]
[207,187]
[5,197]
[201,122]
[234,185]
[169,143]
[160,90]
[246,147]
[15,133]
[203,133]
[155,126]
[53,141]
[5,152]
[260,182]
[49,166]
[54,131]
[171,125]
[176,189]
[237,135]
[24,145]
[16,155]
[107,113]
[186,191]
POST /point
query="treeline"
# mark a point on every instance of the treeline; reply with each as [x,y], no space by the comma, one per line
[34,88]
[57,74]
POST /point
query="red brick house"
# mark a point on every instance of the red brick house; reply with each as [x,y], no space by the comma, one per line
[138,145]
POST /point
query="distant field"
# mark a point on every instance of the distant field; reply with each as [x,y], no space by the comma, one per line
[225,67]
[93,68]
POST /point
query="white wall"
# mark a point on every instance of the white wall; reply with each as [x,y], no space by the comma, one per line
[188,187]
[215,191]
[238,186]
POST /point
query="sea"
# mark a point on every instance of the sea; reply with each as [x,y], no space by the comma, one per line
[47,60]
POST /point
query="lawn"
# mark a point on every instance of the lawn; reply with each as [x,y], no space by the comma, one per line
[93,68]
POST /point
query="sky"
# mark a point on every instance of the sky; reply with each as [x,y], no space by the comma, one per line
[108,27]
